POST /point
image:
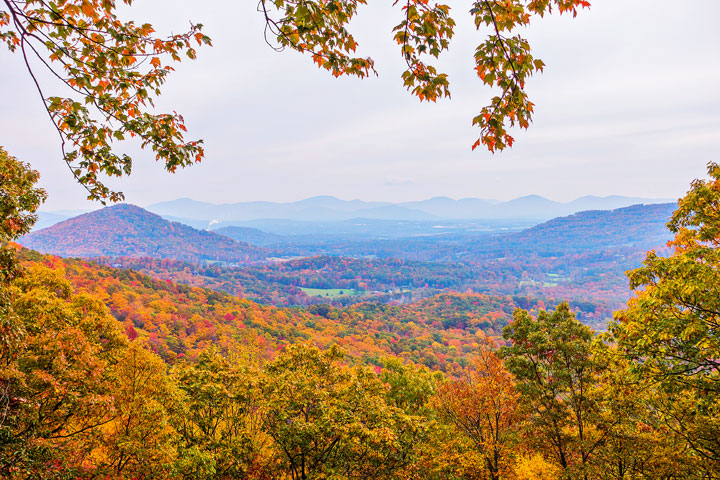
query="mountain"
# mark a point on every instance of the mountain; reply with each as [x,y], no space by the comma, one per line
[634,230]
[331,209]
[638,226]
[129,231]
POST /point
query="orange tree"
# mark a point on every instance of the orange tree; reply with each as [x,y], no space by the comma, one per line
[108,70]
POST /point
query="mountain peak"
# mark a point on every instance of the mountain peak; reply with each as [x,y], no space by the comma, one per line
[126,230]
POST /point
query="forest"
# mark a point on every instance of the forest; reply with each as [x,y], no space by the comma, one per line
[581,258]
[108,373]
[184,354]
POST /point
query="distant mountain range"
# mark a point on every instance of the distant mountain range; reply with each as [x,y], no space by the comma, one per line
[129,231]
[327,208]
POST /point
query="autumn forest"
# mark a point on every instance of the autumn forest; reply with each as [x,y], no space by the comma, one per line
[328,339]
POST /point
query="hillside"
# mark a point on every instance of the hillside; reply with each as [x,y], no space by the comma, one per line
[180,320]
[636,226]
[129,231]
[253,236]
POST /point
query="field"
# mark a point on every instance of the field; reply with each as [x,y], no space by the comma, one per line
[331,292]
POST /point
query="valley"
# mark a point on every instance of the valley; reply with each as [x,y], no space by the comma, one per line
[582,257]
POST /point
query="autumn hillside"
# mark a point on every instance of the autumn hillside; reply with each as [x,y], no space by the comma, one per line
[640,226]
[180,320]
[128,230]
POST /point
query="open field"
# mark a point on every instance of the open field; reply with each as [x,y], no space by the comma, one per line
[331,292]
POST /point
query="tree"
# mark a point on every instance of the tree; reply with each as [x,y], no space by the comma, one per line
[58,382]
[554,362]
[108,73]
[19,200]
[502,60]
[138,443]
[220,418]
[484,407]
[328,420]
[671,328]
[421,443]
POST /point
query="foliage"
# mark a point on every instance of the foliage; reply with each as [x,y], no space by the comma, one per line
[108,72]
[86,393]
[535,467]
[126,230]
[556,367]
[670,327]
[19,200]
[110,408]
[19,197]
[219,420]
[502,60]
[333,422]
[484,407]
[58,381]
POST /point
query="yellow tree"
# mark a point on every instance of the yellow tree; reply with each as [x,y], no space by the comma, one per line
[139,442]
[58,383]
[671,327]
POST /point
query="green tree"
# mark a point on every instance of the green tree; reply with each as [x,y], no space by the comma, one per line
[554,360]
[328,420]
[421,442]
[639,445]
[219,420]
[19,200]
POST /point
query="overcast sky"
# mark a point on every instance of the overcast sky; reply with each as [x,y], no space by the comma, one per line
[629,104]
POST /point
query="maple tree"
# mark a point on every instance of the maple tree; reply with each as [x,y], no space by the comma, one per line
[108,73]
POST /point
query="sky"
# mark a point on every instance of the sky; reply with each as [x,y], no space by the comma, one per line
[629,104]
